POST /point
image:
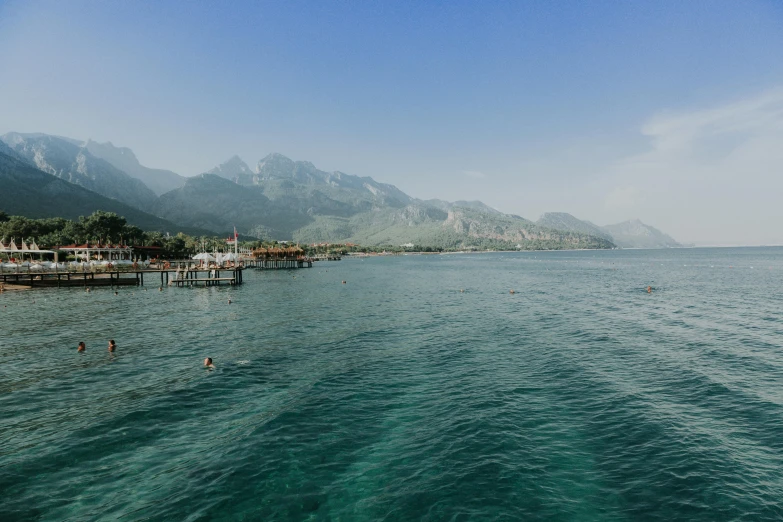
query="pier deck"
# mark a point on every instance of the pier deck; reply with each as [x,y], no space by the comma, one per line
[267,264]
[168,277]
[208,281]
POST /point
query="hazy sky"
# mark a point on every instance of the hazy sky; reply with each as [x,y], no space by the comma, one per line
[671,112]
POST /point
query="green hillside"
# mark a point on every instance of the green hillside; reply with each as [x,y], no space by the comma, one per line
[290,200]
[29,192]
[460,228]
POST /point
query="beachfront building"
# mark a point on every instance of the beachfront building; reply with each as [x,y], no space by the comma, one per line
[14,253]
[98,252]
[292,252]
[144,253]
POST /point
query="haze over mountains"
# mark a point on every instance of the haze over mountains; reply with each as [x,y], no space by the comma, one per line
[72,162]
[28,191]
[159,180]
[280,199]
[628,234]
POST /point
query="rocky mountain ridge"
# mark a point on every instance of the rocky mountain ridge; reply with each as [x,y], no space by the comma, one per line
[123,158]
[628,234]
[73,163]
[286,199]
[30,192]
[635,234]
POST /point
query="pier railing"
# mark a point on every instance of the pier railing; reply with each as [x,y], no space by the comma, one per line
[168,277]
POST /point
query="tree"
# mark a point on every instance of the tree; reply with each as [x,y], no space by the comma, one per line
[154,239]
[175,246]
[105,227]
[132,235]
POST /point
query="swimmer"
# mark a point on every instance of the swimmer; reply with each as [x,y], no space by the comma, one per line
[511,291]
[82,347]
[208,363]
[112,345]
[344,282]
[115,293]
[649,289]
[229,301]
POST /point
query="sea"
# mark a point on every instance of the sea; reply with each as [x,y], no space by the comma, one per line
[422,388]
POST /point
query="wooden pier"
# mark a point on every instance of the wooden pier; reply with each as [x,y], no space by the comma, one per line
[274,263]
[168,277]
[327,257]
[191,277]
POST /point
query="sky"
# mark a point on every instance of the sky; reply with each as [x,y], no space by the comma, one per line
[668,111]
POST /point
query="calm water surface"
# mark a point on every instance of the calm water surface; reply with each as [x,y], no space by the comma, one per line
[398,397]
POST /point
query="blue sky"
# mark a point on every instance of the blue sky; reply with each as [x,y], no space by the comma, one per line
[671,112]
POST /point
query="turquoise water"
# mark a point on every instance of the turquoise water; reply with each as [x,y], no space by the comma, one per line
[398,397]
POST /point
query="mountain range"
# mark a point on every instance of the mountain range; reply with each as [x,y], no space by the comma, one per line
[279,198]
[28,191]
[628,234]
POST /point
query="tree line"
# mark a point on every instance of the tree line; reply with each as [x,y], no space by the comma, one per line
[109,228]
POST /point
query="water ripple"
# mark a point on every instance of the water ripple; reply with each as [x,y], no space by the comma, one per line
[399,397]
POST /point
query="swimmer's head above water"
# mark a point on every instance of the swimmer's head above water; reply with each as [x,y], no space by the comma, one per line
[208,363]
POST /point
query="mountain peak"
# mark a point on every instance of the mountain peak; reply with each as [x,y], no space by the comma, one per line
[635,234]
[569,223]
[235,169]
[123,158]
[109,151]
[276,163]
[276,156]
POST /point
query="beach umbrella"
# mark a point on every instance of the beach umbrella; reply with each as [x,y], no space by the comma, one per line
[204,257]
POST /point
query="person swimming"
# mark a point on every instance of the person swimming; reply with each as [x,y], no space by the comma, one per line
[112,345]
[208,363]
[82,347]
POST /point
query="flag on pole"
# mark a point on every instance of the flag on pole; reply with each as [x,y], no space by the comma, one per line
[233,240]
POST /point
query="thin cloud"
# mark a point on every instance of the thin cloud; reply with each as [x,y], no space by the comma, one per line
[475,174]
[711,173]
[672,132]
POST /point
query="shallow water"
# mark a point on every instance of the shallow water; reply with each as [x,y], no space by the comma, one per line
[398,397]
